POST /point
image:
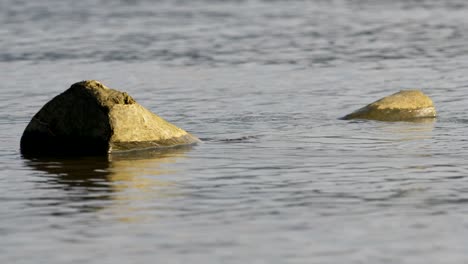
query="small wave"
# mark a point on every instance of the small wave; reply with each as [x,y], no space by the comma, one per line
[231,140]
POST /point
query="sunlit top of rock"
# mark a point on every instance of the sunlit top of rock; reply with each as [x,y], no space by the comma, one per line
[105,96]
[406,105]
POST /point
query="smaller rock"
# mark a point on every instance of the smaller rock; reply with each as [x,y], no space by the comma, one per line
[406,105]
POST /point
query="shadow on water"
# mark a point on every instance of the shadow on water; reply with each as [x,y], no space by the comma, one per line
[115,185]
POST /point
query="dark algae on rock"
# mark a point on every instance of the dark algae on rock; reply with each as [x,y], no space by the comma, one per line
[92,119]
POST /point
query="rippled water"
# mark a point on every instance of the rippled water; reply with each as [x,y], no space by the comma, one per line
[278,179]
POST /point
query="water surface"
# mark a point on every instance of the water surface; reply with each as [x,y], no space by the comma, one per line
[278,179]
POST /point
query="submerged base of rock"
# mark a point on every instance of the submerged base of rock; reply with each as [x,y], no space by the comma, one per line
[407,105]
[92,119]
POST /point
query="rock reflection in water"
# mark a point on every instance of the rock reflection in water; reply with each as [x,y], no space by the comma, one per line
[407,139]
[136,185]
[409,131]
[118,186]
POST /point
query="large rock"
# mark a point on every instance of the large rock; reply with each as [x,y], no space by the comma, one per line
[407,105]
[90,118]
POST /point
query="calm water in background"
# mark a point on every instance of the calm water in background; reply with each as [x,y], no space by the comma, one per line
[278,179]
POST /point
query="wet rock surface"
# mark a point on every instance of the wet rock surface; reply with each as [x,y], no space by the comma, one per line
[406,105]
[92,119]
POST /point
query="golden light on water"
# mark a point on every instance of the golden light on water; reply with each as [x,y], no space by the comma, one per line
[123,185]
